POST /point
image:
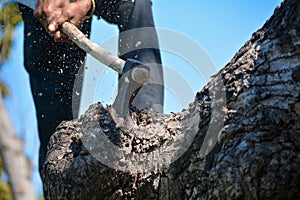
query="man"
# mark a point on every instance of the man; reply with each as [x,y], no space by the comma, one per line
[52,62]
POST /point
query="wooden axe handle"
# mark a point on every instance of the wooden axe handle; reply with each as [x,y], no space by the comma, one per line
[105,57]
[92,48]
[84,43]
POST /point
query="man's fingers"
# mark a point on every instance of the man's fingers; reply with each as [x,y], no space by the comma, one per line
[55,23]
[59,36]
[53,15]
[51,27]
[38,13]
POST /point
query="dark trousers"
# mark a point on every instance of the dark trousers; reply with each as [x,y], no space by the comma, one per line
[53,67]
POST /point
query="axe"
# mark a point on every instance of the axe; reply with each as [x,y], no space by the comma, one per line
[134,73]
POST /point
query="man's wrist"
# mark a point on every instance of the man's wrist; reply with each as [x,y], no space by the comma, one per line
[91,10]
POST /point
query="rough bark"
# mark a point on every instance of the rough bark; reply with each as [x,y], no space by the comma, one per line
[15,164]
[257,126]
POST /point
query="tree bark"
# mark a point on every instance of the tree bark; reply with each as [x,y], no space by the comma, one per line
[239,139]
[15,164]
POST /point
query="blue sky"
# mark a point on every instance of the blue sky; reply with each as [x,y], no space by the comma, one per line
[220,28]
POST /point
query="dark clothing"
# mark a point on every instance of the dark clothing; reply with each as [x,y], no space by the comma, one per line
[53,67]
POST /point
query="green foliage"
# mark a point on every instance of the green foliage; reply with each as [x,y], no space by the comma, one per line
[5,192]
[9,18]
[4,90]
[1,167]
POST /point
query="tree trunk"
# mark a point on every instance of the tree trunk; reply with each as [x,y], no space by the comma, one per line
[239,139]
[15,164]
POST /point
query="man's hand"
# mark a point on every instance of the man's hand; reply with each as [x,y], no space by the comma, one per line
[53,13]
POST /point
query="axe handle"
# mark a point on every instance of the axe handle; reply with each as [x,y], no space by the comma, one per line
[92,48]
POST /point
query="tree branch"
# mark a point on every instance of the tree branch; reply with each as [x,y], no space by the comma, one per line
[255,126]
[15,163]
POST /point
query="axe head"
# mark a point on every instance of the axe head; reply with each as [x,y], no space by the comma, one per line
[140,72]
[135,75]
